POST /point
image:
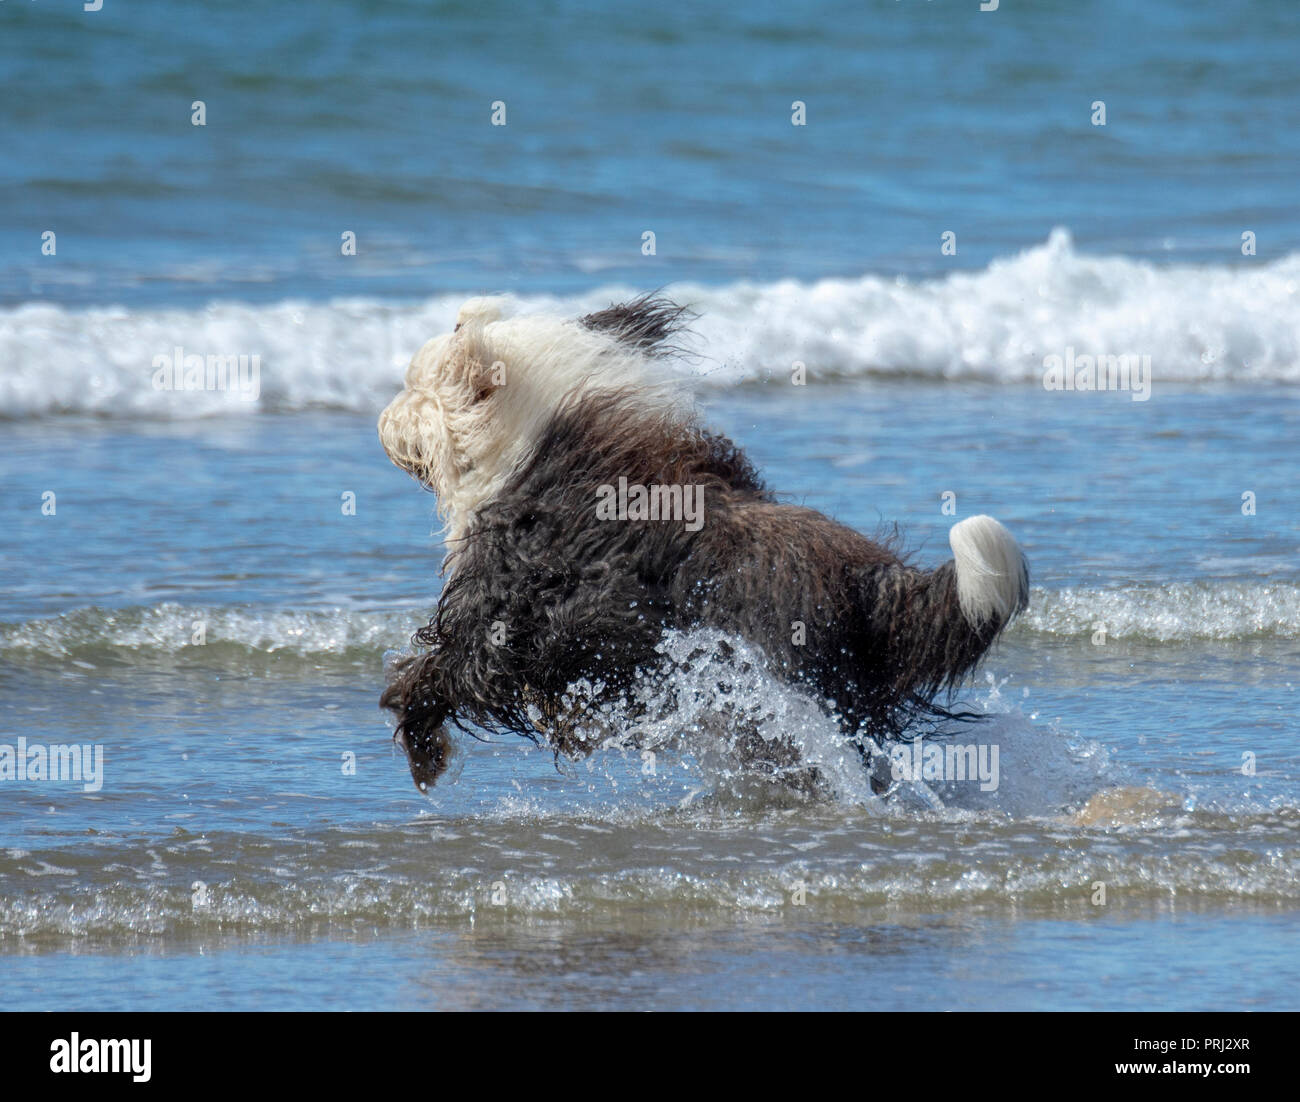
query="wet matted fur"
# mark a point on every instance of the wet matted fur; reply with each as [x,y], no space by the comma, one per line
[519,424]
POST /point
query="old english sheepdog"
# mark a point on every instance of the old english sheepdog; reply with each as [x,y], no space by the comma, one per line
[588,511]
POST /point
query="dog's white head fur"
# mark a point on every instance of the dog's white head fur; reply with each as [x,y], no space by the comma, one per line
[477,399]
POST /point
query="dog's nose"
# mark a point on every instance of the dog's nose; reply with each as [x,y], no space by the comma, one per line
[390,435]
[393,407]
[390,415]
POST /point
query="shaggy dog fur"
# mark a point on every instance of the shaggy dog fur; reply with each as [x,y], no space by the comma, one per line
[517,423]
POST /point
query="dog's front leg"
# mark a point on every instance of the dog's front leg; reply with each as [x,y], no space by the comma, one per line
[422,710]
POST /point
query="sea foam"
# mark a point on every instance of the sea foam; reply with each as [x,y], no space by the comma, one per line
[1175,612]
[1232,322]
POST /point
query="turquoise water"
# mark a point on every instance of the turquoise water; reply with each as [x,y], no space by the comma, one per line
[256,841]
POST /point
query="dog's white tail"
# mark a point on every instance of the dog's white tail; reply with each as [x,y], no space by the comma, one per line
[992,575]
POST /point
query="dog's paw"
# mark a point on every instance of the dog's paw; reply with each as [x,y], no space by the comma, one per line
[428,754]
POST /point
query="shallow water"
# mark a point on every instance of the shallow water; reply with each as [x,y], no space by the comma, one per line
[226,825]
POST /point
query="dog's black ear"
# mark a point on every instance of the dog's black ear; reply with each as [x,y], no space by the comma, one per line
[648,323]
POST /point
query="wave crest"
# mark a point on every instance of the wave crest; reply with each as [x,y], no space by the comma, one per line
[1198,323]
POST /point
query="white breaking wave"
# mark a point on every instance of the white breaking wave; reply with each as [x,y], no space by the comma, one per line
[1176,612]
[1197,323]
[171,628]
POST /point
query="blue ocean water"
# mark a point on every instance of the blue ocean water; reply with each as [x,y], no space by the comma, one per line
[196,600]
[375,117]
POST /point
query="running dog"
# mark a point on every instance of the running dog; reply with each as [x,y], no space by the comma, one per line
[588,511]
